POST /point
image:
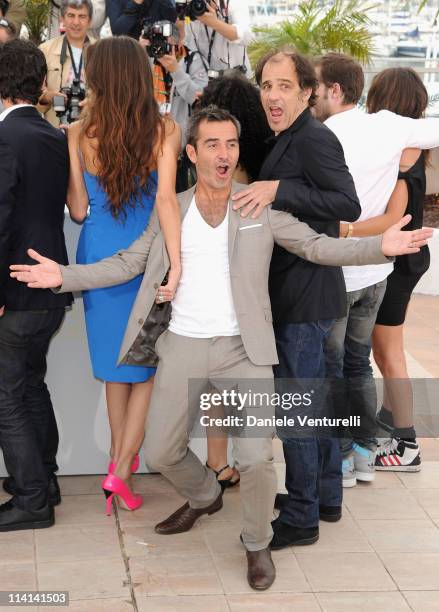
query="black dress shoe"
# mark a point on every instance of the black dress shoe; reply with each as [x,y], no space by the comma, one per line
[261,571]
[183,519]
[287,535]
[330,514]
[53,491]
[14,519]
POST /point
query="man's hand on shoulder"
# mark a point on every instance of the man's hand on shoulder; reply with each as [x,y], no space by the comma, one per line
[46,274]
[255,198]
[396,242]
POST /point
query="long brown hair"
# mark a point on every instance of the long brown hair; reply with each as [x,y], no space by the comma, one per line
[123,117]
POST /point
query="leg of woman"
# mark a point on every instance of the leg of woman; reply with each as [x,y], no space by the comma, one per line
[217,442]
[133,427]
[388,352]
[117,395]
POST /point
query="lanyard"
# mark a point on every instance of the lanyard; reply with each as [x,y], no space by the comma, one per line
[76,72]
[66,45]
[223,11]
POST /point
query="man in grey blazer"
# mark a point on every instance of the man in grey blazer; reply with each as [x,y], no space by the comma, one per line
[220,327]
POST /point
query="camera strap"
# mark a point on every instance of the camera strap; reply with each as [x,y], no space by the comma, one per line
[76,71]
[66,45]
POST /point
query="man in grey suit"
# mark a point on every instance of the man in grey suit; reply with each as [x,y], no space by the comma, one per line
[220,327]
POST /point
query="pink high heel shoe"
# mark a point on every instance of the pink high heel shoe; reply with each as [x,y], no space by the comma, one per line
[134,466]
[112,485]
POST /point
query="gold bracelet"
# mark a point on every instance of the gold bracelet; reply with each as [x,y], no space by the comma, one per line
[350,231]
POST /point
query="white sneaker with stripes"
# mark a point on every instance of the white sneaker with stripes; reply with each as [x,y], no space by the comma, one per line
[398,456]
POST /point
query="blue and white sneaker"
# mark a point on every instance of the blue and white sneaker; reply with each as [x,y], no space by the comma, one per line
[364,463]
[349,478]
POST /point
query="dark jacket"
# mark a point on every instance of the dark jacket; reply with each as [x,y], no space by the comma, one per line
[315,186]
[126,16]
[34,172]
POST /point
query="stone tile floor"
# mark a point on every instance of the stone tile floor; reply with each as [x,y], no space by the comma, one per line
[382,555]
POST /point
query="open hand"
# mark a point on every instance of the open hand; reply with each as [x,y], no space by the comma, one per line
[46,274]
[255,198]
[396,242]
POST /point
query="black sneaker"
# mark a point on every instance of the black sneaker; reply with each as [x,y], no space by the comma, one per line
[330,514]
[398,456]
[15,519]
[54,492]
[287,535]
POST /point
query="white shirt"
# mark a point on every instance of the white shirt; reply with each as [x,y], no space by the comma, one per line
[372,147]
[225,54]
[8,110]
[203,304]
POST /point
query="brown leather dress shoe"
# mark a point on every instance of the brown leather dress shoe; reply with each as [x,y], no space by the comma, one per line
[261,571]
[183,519]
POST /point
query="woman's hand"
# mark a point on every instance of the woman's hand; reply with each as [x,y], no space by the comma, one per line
[166,293]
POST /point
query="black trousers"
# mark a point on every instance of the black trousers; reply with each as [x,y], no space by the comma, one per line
[28,429]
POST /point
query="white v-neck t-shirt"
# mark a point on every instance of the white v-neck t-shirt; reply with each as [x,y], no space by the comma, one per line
[203,304]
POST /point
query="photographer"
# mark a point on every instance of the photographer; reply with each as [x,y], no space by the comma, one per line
[65,55]
[98,20]
[221,34]
[128,16]
[179,75]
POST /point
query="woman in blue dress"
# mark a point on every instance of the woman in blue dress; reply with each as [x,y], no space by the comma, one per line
[123,160]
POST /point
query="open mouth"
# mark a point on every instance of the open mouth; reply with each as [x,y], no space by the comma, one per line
[222,170]
[276,113]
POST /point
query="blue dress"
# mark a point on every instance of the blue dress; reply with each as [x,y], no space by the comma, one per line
[107,310]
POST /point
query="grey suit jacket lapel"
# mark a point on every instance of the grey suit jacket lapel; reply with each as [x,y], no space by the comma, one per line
[233,220]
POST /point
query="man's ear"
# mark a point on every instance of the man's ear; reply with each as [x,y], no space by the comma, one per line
[191,153]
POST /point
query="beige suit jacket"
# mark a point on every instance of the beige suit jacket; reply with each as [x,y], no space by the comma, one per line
[250,247]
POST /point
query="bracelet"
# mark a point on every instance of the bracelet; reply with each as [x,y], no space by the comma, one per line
[350,231]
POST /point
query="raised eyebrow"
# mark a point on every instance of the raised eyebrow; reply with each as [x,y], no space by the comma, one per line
[208,140]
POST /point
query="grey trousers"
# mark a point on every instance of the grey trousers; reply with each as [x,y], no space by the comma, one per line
[173,410]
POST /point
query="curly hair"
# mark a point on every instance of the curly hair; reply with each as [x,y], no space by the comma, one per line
[23,69]
[236,94]
[123,116]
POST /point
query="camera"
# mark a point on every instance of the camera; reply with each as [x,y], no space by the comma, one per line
[217,74]
[158,34]
[67,108]
[190,8]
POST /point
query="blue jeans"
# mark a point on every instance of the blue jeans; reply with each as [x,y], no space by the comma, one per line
[313,464]
[347,352]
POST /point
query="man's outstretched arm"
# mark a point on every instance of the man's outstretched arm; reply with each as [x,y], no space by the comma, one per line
[120,268]
[300,239]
